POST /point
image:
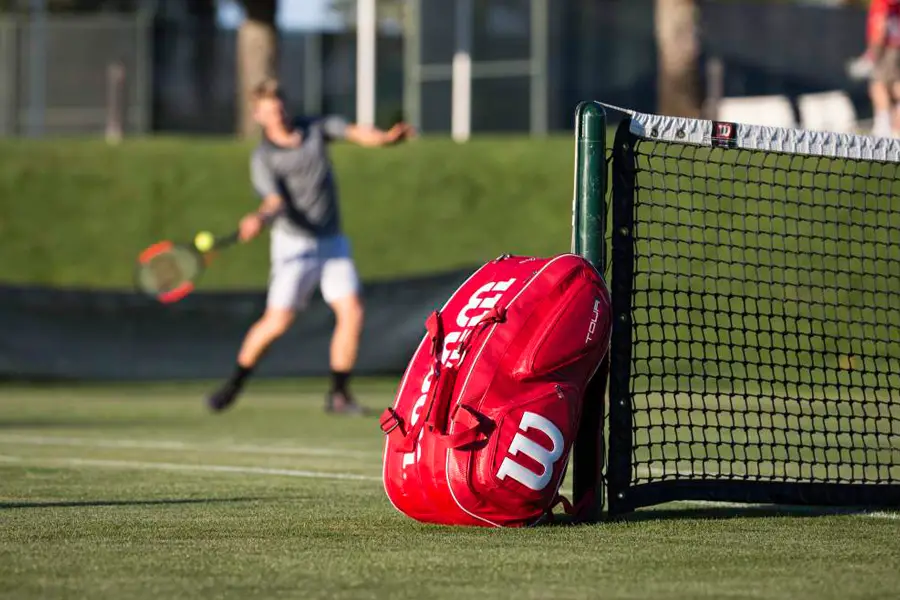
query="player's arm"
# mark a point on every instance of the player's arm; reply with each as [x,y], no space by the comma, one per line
[363,135]
[877,29]
[251,225]
[373,137]
[270,207]
[271,203]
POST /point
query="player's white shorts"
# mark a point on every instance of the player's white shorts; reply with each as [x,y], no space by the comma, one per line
[300,264]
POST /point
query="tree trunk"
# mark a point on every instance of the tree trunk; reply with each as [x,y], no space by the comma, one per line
[679,51]
[257,49]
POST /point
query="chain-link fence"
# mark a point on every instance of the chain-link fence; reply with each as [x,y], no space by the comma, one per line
[508,63]
[195,76]
[532,62]
[55,76]
[82,74]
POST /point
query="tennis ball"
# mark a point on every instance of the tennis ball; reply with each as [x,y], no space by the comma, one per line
[204,241]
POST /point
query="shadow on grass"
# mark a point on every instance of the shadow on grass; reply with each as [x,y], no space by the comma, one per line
[737,512]
[717,513]
[90,503]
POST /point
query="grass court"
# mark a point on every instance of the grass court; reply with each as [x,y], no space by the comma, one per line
[134,491]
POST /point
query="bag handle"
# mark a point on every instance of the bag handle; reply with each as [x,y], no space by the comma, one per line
[439,414]
[442,394]
[477,433]
[437,409]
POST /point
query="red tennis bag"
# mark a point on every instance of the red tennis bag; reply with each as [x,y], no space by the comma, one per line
[489,406]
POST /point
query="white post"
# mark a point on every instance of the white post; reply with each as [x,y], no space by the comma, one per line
[312,73]
[461,111]
[37,67]
[115,102]
[412,63]
[366,39]
[540,36]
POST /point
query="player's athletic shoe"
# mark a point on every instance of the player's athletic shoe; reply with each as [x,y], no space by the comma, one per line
[223,397]
[343,403]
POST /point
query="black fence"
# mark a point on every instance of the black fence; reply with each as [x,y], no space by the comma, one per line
[784,48]
[606,50]
[180,74]
[603,49]
[51,334]
[195,76]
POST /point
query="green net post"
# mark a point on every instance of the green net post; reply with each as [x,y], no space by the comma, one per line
[590,184]
[588,240]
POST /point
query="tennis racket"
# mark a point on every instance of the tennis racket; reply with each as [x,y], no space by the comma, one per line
[168,271]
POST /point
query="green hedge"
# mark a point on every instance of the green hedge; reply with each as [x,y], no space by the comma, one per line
[75,212]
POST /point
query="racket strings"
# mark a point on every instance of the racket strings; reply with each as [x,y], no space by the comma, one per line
[169,270]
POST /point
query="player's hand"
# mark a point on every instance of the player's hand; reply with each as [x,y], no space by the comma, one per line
[250,227]
[400,131]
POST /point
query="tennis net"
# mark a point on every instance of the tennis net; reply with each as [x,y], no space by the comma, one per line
[755,277]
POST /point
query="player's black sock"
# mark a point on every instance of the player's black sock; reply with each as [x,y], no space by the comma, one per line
[339,380]
[241,373]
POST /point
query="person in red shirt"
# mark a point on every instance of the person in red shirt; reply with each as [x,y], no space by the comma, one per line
[881,63]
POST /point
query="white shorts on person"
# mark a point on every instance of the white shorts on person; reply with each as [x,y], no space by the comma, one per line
[299,264]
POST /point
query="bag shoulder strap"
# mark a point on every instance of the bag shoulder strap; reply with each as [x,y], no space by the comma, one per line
[435,413]
[392,423]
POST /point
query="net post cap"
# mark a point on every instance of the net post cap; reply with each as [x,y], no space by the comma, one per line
[590,121]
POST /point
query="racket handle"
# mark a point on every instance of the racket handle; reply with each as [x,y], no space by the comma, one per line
[227,240]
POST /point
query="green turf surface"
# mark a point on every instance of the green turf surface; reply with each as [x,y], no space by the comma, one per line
[135,492]
[76,212]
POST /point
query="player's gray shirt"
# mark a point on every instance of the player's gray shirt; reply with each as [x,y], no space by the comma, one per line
[303,177]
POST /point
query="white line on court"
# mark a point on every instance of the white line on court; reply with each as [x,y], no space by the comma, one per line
[163,466]
[38,440]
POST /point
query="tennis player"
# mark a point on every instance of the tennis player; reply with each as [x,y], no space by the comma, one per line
[292,174]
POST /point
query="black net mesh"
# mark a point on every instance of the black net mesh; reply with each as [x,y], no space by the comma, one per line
[765,317]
